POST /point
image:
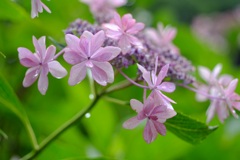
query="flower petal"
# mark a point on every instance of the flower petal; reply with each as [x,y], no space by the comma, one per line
[43,81]
[72,57]
[211,110]
[146,75]
[205,73]
[51,50]
[231,87]
[162,74]
[45,7]
[102,69]
[124,44]
[97,41]
[106,54]
[40,46]
[161,129]
[167,87]
[136,105]
[31,76]
[27,58]
[131,123]
[56,69]
[136,28]
[150,132]
[77,74]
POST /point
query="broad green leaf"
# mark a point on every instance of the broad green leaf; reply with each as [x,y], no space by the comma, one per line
[9,100]
[188,129]
[4,135]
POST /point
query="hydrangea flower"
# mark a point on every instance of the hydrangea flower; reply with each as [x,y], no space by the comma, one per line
[37,6]
[98,6]
[163,37]
[156,85]
[221,91]
[155,114]
[86,53]
[39,64]
[124,30]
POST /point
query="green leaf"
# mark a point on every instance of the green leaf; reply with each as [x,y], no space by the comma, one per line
[188,129]
[3,134]
[9,100]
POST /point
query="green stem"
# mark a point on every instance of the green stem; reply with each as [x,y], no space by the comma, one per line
[31,133]
[60,130]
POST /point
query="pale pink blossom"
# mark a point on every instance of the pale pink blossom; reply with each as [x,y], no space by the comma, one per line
[39,64]
[37,7]
[124,30]
[106,6]
[155,114]
[156,84]
[221,91]
[163,37]
[86,53]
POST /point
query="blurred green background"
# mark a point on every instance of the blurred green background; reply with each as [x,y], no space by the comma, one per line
[101,136]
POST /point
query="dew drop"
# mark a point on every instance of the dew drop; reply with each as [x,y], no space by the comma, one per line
[91,96]
[87,115]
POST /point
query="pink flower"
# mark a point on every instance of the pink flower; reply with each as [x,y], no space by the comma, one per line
[156,115]
[86,53]
[37,6]
[156,85]
[163,37]
[123,30]
[99,6]
[39,64]
[221,93]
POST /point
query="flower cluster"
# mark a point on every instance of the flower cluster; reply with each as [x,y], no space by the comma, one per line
[116,42]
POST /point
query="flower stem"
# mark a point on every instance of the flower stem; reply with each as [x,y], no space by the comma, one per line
[60,130]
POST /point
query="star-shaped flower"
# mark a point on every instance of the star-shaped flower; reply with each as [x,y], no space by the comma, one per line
[163,37]
[155,114]
[221,92]
[156,85]
[86,53]
[124,30]
[37,6]
[39,64]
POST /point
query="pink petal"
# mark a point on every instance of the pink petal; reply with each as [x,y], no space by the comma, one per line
[162,74]
[231,87]
[51,50]
[73,57]
[204,73]
[165,114]
[45,7]
[131,123]
[146,75]
[153,35]
[106,54]
[222,112]
[40,46]
[97,41]
[34,10]
[136,105]
[117,19]
[136,28]
[135,41]
[102,72]
[127,21]
[161,129]
[27,58]
[56,69]
[217,69]
[31,76]
[225,80]
[202,89]
[118,3]
[73,44]
[211,111]
[167,87]
[124,44]
[43,81]
[77,74]
[150,133]
[170,34]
